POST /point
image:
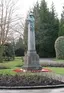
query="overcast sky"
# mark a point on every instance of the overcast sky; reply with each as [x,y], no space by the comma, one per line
[25,5]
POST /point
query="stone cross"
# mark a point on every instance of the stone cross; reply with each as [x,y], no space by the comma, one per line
[31,60]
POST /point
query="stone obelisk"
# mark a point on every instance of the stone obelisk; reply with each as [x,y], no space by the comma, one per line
[31,60]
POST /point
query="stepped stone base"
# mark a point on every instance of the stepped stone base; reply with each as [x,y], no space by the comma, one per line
[31,61]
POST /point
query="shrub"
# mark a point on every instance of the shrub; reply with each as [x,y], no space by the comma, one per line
[1,53]
[8,52]
[54,64]
[59,47]
[19,52]
[27,80]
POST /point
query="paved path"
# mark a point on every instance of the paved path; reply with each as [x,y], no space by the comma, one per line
[49,60]
[60,90]
[26,91]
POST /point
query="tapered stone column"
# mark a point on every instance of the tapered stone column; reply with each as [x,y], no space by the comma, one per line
[31,60]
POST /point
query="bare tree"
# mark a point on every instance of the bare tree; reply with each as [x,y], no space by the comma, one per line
[18,27]
[7,21]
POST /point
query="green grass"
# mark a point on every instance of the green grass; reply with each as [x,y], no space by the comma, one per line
[57,70]
[12,64]
[7,72]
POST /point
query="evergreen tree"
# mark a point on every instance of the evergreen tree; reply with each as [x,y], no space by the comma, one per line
[61,25]
[44,16]
[8,52]
[48,30]
[19,47]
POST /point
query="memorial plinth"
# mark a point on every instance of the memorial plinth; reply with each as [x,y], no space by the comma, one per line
[31,59]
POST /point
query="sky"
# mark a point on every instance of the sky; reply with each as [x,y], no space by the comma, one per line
[58,5]
[25,5]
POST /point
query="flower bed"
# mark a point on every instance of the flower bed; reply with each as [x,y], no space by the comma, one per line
[27,79]
[42,70]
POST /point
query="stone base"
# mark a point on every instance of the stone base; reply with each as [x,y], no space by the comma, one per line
[31,61]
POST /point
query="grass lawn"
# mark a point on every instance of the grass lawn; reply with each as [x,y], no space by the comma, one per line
[7,72]
[57,70]
[12,64]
